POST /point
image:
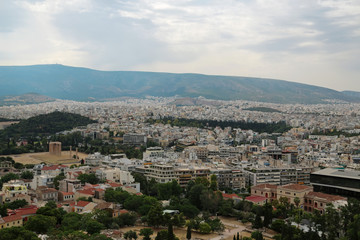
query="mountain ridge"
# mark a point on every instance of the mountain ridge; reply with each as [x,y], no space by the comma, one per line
[79,83]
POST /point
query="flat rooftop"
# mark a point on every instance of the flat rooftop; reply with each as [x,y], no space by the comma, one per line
[343,173]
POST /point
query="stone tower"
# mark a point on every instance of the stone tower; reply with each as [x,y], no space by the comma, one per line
[55,148]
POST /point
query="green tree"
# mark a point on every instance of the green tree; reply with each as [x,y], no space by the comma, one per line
[71,222]
[155,216]
[93,226]
[57,179]
[17,204]
[215,224]
[146,232]
[204,228]
[210,200]
[40,223]
[353,232]
[213,183]
[189,210]
[188,233]
[10,176]
[130,235]
[194,195]
[333,222]
[257,235]
[50,209]
[258,222]
[27,175]
[202,180]
[3,210]
[171,235]
[104,217]
[268,216]
[18,233]
[88,178]
[162,235]
[226,208]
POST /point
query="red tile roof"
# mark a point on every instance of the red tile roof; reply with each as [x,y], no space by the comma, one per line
[53,167]
[31,211]
[12,218]
[325,196]
[296,187]
[87,191]
[81,203]
[67,193]
[255,199]
[231,196]
[112,184]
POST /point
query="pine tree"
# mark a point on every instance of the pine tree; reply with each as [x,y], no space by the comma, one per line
[188,233]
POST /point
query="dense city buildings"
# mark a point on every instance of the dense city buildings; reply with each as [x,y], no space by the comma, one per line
[139,144]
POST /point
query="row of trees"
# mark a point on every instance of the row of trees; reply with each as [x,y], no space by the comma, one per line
[278,127]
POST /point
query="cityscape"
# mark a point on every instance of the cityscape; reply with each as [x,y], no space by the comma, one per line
[171,151]
[179,120]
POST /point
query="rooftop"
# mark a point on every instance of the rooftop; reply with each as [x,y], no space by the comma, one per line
[344,173]
[255,199]
[297,187]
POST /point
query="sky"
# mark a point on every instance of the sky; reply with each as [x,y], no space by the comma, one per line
[308,41]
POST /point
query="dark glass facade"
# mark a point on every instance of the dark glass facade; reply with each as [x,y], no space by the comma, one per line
[336,185]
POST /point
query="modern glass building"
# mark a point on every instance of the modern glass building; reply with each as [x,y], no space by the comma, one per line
[342,182]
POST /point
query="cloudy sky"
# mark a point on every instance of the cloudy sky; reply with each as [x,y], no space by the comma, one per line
[309,41]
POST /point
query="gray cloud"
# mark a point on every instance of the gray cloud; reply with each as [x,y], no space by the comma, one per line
[307,41]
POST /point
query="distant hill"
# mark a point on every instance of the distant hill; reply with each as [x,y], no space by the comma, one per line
[58,81]
[46,124]
[27,98]
[352,94]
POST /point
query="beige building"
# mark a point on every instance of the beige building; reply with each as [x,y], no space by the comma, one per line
[115,175]
[184,175]
[161,173]
[268,191]
[291,191]
[318,201]
[11,221]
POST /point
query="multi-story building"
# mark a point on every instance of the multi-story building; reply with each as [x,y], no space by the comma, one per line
[161,173]
[47,194]
[94,159]
[115,175]
[238,180]
[278,176]
[342,182]
[14,190]
[134,139]
[185,174]
[154,152]
[167,173]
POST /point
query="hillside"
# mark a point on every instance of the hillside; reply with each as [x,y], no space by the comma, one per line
[58,81]
[45,124]
[27,98]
